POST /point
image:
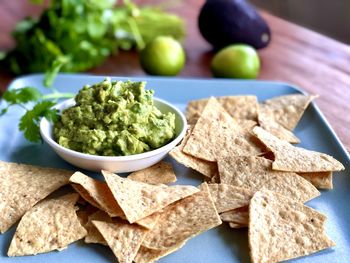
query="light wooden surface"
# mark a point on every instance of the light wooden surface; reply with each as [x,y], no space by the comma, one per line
[315,63]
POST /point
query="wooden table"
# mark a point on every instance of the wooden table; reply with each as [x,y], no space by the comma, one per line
[317,64]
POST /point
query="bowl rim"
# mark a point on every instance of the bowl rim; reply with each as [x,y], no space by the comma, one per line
[48,138]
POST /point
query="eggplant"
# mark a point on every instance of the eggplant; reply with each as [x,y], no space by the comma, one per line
[225,22]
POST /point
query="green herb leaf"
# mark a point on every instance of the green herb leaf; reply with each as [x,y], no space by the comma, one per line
[51,73]
[3,111]
[86,32]
[23,95]
[29,122]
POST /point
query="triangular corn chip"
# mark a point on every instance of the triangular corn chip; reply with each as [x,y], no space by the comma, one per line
[84,212]
[123,238]
[208,169]
[255,173]
[215,179]
[287,110]
[148,255]
[296,159]
[183,220]
[228,197]
[99,195]
[236,225]
[93,235]
[138,200]
[281,229]
[239,107]
[267,122]
[50,225]
[247,125]
[217,134]
[96,193]
[22,186]
[148,221]
[239,216]
[321,180]
[160,173]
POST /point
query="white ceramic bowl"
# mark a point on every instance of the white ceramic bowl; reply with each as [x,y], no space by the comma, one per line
[117,164]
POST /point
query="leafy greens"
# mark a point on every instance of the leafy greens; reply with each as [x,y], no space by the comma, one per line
[76,35]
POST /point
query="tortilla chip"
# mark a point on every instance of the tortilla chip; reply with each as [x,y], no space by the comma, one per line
[295,159]
[22,186]
[287,110]
[208,169]
[50,225]
[83,217]
[215,179]
[217,134]
[281,228]
[93,235]
[322,180]
[227,197]
[138,200]
[238,216]
[148,255]
[123,238]
[236,225]
[267,122]
[239,107]
[192,116]
[182,220]
[255,173]
[148,221]
[84,212]
[247,125]
[160,173]
[96,193]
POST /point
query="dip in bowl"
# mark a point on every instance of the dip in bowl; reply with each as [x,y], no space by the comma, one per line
[115,126]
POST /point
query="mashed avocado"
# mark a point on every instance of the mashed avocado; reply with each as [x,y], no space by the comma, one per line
[114,118]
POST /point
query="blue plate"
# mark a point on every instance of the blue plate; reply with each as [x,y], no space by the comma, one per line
[221,244]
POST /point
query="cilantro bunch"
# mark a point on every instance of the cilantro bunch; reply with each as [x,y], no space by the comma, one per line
[36,105]
[76,35]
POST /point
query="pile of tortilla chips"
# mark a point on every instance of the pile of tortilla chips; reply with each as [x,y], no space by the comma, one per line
[140,217]
[257,178]
[253,178]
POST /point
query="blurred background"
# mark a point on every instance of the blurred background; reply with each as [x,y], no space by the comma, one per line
[331,18]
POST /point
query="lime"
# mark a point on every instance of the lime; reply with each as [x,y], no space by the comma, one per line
[163,56]
[236,61]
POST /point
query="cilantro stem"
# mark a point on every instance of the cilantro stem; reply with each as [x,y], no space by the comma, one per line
[22,106]
[58,95]
[136,33]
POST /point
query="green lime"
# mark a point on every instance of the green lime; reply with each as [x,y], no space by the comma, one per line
[163,56]
[236,61]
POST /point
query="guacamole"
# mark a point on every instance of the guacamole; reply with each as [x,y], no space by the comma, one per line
[114,118]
